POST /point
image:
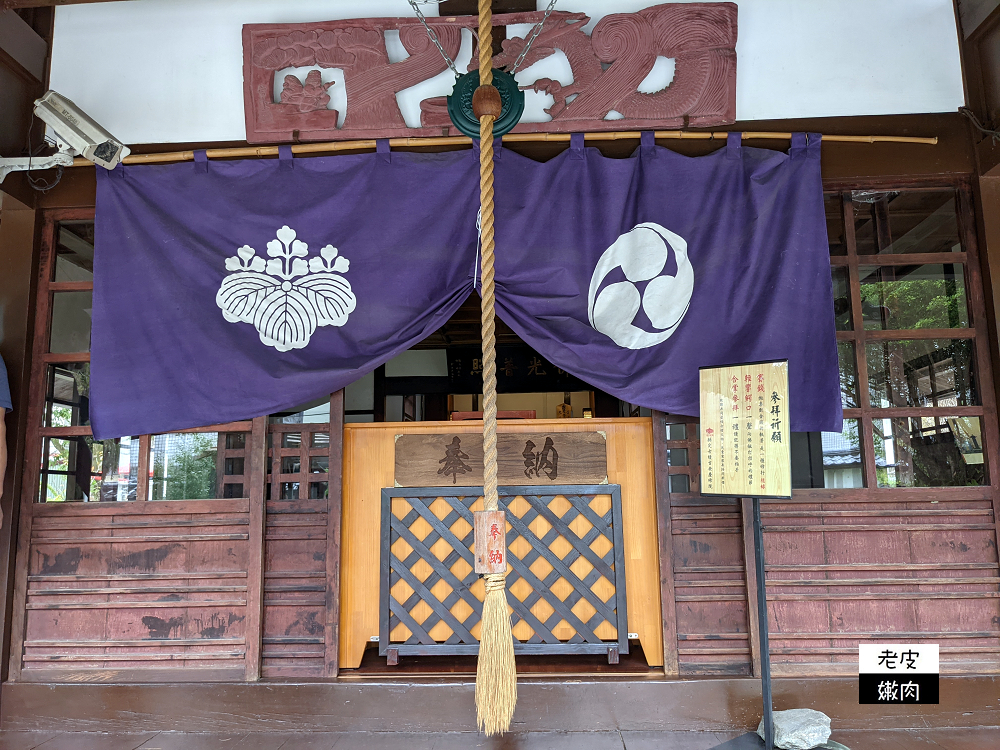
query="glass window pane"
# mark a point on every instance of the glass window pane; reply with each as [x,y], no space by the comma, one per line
[81,468]
[319,464]
[187,466]
[848,374]
[67,395]
[929,452]
[680,483]
[290,465]
[70,322]
[234,489]
[677,431]
[841,298]
[289,490]
[677,457]
[291,440]
[905,222]
[237,440]
[933,372]
[827,459]
[835,223]
[74,251]
[320,440]
[318,490]
[926,296]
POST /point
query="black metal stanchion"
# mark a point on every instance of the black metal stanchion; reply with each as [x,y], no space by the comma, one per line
[765,651]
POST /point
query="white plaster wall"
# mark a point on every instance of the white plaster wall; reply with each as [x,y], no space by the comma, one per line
[170,71]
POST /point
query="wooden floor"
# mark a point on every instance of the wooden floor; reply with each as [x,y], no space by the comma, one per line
[980,738]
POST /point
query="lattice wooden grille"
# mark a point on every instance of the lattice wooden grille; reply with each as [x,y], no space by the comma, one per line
[565,577]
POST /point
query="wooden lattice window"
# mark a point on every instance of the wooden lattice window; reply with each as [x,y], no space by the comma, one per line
[565,581]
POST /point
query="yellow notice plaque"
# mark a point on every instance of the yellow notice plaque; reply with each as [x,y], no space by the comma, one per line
[745,446]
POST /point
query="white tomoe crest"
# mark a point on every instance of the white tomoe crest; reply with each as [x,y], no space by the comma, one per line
[286,298]
[642,254]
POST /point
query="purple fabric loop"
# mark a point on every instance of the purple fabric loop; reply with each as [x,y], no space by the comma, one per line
[383,151]
[647,140]
[497,149]
[200,161]
[577,146]
[286,158]
[734,145]
[805,146]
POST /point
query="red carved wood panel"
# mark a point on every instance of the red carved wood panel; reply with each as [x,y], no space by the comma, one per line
[607,67]
[122,591]
[295,551]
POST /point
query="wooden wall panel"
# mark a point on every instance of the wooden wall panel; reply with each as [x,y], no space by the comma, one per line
[923,569]
[368,467]
[295,604]
[121,590]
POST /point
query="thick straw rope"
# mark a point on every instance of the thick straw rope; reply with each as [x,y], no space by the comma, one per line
[496,674]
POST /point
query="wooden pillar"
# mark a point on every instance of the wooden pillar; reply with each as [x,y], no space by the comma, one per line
[256,467]
[746,505]
[668,606]
[18,240]
[335,477]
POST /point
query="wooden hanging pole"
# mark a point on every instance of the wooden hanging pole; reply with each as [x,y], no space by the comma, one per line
[368,144]
[496,674]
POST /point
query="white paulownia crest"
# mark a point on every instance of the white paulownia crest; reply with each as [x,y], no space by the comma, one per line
[642,254]
[286,298]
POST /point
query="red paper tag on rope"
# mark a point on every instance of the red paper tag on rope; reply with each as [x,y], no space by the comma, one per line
[491,541]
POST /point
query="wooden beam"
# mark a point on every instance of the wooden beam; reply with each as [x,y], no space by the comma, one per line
[333,518]
[253,626]
[668,606]
[750,569]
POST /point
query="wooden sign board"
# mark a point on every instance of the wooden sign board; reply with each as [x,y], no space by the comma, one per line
[491,541]
[456,459]
[745,440]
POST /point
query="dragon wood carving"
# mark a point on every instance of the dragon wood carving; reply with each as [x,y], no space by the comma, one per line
[607,68]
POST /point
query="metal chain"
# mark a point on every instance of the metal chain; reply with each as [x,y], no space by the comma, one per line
[531,39]
[415,4]
[434,37]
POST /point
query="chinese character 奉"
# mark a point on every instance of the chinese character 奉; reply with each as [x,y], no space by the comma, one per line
[453,463]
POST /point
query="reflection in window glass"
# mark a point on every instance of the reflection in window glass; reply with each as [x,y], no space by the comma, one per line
[829,460]
[935,372]
[67,395]
[926,296]
[70,322]
[841,298]
[929,452]
[185,466]
[677,431]
[848,374]
[906,222]
[80,468]
[835,223]
[74,251]
[314,411]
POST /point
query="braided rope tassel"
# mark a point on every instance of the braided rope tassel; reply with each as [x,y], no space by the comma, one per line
[496,674]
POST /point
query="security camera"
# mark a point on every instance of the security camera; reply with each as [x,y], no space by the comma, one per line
[76,135]
[74,128]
